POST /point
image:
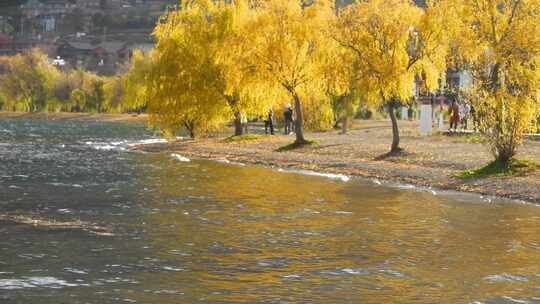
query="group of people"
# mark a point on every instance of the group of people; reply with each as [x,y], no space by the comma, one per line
[459,113]
[287,119]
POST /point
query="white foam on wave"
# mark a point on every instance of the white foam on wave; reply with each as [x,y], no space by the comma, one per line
[172,269]
[148,142]
[347,271]
[228,162]
[514,300]
[506,277]
[341,177]
[123,145]
[75,270]
[180,158]
[65,185]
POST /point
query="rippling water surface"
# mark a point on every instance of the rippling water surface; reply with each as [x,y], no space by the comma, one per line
[209,232]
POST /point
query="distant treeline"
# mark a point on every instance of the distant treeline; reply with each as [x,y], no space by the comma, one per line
[31,83]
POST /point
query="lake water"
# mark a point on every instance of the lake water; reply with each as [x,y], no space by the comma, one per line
[211,232]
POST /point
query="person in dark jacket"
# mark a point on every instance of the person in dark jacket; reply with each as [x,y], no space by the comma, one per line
[269,122]
[288,118]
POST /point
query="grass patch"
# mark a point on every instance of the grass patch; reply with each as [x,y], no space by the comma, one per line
[474,138]
[471,138]
[497,168]
[241,138]
[296,145]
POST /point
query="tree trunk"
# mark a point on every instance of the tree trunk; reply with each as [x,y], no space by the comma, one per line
[344,124]
[299,120]
[190,127]
[395,129]
[504,158]
[238,128]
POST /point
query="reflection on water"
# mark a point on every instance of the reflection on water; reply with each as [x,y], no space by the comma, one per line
[209,232]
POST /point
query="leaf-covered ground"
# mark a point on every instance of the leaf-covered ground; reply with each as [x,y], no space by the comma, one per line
[428,160]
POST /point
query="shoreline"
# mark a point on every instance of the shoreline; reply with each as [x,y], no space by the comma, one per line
[376,180]
[88,117]
[430,162]
[328,157]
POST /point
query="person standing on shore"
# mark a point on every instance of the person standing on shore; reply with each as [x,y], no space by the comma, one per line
[288,118]
[244,122]
[464,111]
[269,122]
[453,112]
[441,112]
[474,118]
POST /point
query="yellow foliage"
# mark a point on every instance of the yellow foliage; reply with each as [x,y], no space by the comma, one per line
[385,37]
[136,84]
[199,77]
[500,42]
[28,82]
[114,94]
[286,44]
[392,42]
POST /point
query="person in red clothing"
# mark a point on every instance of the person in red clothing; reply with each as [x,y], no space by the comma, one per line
[453,112]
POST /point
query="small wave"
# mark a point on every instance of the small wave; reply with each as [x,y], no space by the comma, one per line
[168,292]
[344,213]
[148,142]
[65,185]
[228,162]
[123,145]
[514,300]
[406,187]
[179,253]
[35,282]
[347,271]
[292,277]
[505,277]
[180,158]
[341,177]
[55,225]
[223,160]
[173,269]
[393,273]
[76,271]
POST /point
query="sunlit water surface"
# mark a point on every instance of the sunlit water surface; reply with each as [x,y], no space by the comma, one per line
[209,232]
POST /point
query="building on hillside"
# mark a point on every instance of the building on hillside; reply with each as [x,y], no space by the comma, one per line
[10,46]
[6,45]
[104,58]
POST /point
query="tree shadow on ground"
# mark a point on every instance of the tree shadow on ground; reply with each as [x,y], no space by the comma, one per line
[392,155]
[295,146]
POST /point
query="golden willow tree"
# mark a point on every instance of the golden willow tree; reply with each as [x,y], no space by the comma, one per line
[180,83]
[237,80]
[28,82]
[340,71]
[287,45]
[500,42]
[199,76]
[393,41]
[136,83]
